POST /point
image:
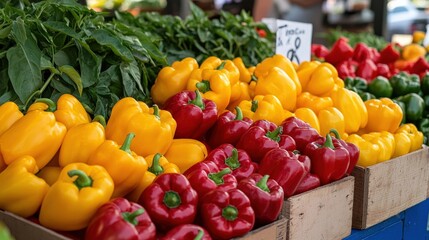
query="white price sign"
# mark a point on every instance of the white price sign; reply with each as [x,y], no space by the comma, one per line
[426,40]
[294,40]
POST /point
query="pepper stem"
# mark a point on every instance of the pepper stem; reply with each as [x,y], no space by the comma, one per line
[238,113]
[328,142]
[156,111]
[82,180]
[275,135]
[131,217]
[127,143]
[230,213]
[156,168]
[254,105]
[172,199]
[198,101]
[262,184]
[221,66]
[100,119]
[200,235]
[253,78]
[203,86]
[51,105]
[232,162]
[335,132]
[218,177]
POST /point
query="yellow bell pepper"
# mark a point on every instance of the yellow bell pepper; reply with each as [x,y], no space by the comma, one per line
[276,82]
[315,103]
[154,128]
[305,70]
[266,107]
[414,134]
[368,152]
[383,115]
[171,80]
[50,174]
[124,166]
[77,194]
[158,165]
[280,61]
[214,85]
[309,116]
[245,73]
[402,144]
[331,118]
[70,111]
[321,81]
[412,52]
[244,95]
[81,141]
[21,191]
[186,152]
[352,107]
[9,114]
[418,36]
[385,140]
[37,134]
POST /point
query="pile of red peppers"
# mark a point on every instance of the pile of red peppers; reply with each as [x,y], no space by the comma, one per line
[242,183]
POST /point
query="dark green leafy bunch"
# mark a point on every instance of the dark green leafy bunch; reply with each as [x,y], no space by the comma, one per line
[197,36]
[354,38]
[54,47]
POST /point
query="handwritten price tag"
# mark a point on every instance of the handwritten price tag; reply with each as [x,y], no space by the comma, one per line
[294,40]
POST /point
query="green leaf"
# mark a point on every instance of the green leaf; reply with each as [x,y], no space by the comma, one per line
[90,65]
[62,58]
[5,31]
[4,81]
[5,97]
[127,79]
[46,64]
[106,38]
[19,31]
[74,76]
[60,27]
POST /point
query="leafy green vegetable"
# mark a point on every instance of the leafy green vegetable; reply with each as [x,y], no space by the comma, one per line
[364,37]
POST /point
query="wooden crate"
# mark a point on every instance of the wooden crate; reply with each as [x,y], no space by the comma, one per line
[322,213]
[275,231]
[385,189]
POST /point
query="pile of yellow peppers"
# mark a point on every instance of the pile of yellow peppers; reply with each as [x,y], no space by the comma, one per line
[54,147]
[276,89]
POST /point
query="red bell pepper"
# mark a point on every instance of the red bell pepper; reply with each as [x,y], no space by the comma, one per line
[121,219]
[300,131]
[187,231]
[351,148]
[340,51]
[226,155]
[284,167]
[367,70]
[389,54]
[362,52]
[383,70]
[206,180]
[420,66]
[227,214]
[228,128]
[329,161]
[193,114]
[346,69]
[319,51]
[263,136]
[266,197]
[170,201]
[309,182]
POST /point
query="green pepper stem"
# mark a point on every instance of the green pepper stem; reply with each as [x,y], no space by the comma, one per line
[156,168]
[198,101]
[232,162]
[218,177]
[127,143]
[82,180]
[51,105]
[156,111]
[221,66]
[254,105]
[87,108]
[100,119]
[238,113]
[172,199]
[275,135]
[230,213]
[328,142]
[200,235]
[262,184]
[253,78]
[131,217]
[203,86]
[335,132]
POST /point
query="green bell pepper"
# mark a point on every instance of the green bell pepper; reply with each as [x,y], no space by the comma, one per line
[404,110]
[380,87]
[415,106]
[366,96]
[425,84]
[404,83]
[356,84]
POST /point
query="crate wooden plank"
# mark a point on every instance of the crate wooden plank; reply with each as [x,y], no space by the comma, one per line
[276,231]
[322,213]
[387,188]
